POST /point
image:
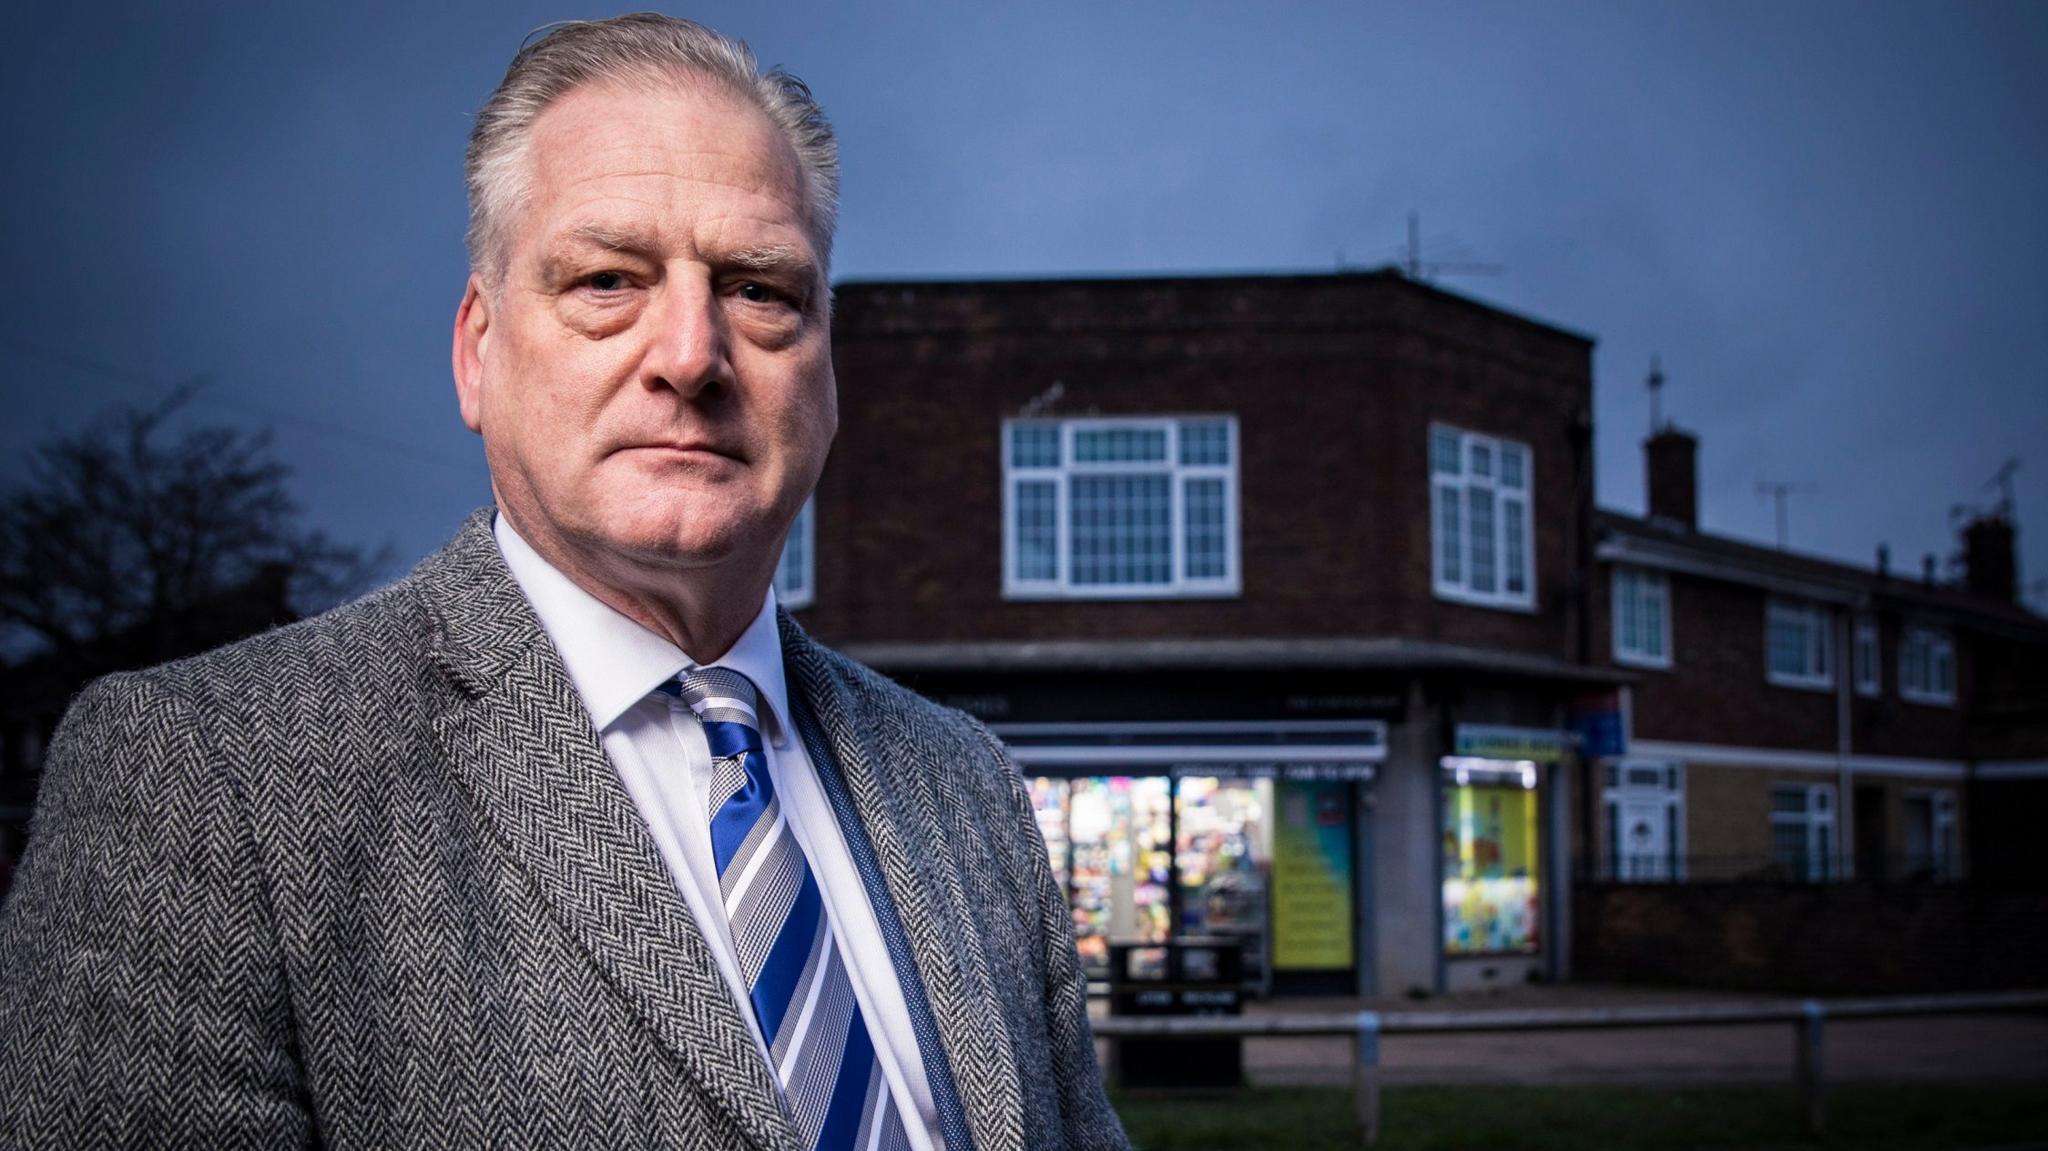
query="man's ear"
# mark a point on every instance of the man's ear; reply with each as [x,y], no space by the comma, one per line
[472,331]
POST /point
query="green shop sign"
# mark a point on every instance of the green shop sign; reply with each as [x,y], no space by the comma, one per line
[1492,741]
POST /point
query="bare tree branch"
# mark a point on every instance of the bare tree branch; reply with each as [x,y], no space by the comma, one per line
[127,530]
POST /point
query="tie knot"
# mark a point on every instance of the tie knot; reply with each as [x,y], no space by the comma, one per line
[720,694]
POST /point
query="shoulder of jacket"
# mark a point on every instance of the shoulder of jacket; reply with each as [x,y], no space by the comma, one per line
[370,634]
[932,722]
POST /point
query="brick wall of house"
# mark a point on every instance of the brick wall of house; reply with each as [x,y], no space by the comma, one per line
[1834,939]
[2005,825]
[1334,381]
[2008,708]
[1715,690]
[1894,814]
[1889,724]
[1728,815]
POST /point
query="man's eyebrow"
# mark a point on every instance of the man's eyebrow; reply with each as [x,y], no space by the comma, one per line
[608,236]
[769,258]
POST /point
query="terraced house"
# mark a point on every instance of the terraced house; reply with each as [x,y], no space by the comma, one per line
[1804,720]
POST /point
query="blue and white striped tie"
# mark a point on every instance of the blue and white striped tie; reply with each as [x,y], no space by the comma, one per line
[803,997]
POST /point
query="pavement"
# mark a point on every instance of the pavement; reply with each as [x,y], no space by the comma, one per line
[2008,1049]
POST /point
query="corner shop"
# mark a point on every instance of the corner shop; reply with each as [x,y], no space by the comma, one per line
[1364,833]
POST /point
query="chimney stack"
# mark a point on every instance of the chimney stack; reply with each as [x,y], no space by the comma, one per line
[1671,457]
[1990,566]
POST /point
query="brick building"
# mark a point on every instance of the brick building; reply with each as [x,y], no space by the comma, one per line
[1799,719]
[1276,586]
[1289,594]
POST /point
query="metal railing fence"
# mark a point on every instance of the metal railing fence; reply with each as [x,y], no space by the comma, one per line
[1809,1017]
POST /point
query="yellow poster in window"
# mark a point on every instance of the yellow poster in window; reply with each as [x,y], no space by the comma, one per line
[1312,926]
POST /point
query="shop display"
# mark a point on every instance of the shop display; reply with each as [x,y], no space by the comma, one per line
[1118,843]
[1118,831]
[1490,860]
[1224,851]
[1049,804]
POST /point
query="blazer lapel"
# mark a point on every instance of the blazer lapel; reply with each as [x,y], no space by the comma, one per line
[521,743]
[899,812]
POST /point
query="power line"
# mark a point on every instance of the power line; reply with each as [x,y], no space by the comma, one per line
[141,381]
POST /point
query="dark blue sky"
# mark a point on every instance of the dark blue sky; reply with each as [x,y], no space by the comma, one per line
[1830,219]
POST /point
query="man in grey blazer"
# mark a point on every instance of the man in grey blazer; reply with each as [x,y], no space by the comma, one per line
[456,864]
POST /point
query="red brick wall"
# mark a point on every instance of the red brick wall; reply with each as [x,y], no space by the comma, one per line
[1333,380]
[1716,690]
[1886,724]
[1837,939]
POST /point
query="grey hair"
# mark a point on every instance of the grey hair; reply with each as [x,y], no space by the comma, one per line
[643,47]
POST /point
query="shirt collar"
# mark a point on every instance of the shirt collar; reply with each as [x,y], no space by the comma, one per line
[614,662]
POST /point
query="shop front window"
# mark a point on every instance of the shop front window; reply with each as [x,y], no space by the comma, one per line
[1224,849]
[1108,838]
[1049,804]
[1119,862]
[1490,861]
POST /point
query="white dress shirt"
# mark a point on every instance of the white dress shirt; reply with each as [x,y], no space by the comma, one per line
[661,755]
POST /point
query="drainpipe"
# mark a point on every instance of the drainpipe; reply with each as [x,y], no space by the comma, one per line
[1845,799]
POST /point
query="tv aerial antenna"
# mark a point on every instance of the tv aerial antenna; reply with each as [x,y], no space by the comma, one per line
[1781,492]
[1451,261]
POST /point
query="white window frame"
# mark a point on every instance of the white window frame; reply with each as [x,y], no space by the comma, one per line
[1179,585]
[796,584]
[1940,653]
[1820,648]
[1460,590]
[1644,582]
[1868,655]
[1820,813]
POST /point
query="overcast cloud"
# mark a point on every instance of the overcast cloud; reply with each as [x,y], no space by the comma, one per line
[1831,220]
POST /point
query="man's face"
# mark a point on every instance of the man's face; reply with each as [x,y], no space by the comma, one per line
[653,381]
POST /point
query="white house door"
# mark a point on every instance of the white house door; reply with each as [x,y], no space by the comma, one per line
[1645,848]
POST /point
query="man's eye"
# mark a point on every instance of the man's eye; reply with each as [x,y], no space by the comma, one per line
[756,293]
[607,281]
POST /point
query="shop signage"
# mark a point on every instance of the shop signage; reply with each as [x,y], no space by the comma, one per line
[1312,929]
[1596,719]
[1343,704]
[1493,741]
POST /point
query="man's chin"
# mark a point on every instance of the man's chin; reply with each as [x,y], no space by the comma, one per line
[680,546]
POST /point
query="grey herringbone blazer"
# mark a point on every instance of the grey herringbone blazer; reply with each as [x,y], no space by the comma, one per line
[369,881]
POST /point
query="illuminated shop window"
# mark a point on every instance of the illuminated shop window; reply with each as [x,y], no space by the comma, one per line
[1490,858]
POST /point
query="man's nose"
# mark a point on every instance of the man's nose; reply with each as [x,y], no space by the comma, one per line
[687,349]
